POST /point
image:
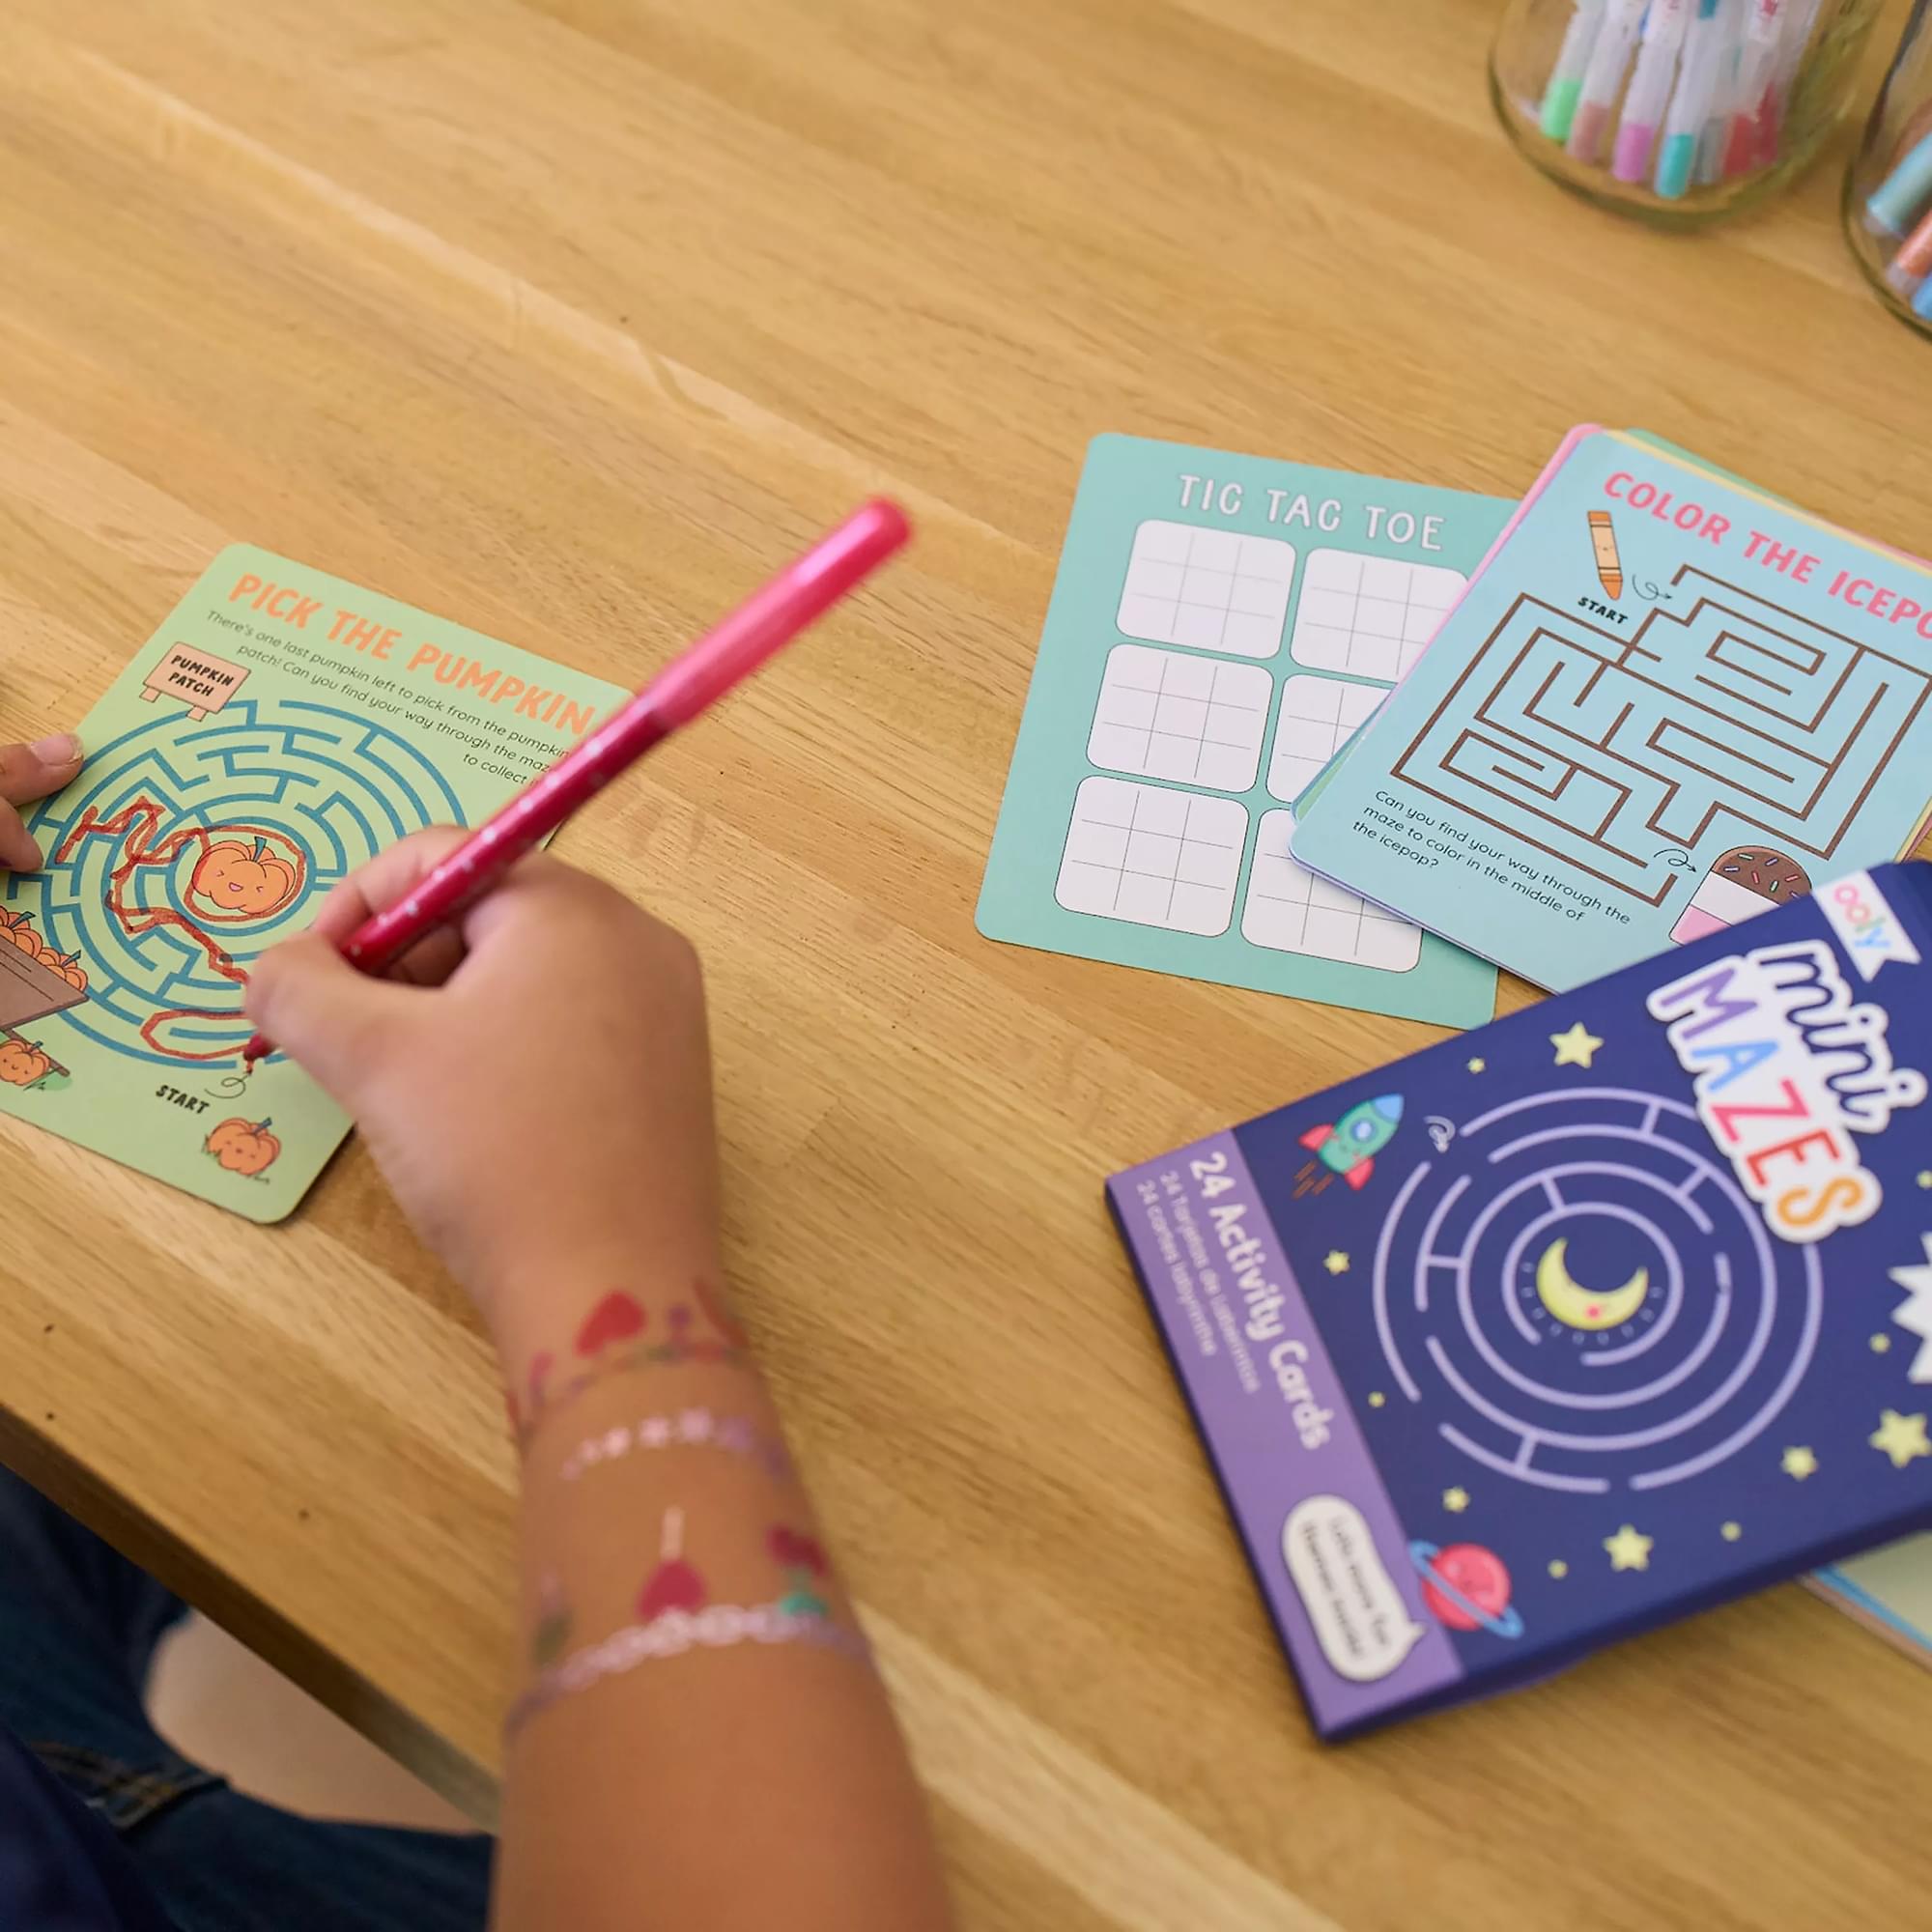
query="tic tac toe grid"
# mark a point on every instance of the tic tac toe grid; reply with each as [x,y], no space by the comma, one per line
[1289,909]
[1141,852]
[1165,716]
[1319,715]
[1154,856]
[1210,589]
[1370,615]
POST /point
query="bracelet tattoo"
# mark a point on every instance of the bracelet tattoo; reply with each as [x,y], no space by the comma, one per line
[689,1428]
[614,1339]
[674,1613]
[716,1627]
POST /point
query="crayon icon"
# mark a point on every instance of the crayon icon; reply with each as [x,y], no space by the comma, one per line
[1609,560]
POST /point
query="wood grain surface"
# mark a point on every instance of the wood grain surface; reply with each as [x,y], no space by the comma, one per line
[569,319]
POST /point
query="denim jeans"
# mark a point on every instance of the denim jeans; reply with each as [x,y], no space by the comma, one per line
[78,1626]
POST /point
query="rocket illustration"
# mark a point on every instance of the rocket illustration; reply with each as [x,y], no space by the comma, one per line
[1349,1146]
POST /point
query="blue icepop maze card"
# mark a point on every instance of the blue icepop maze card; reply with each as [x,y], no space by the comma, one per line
[1220,626]
[1670,702]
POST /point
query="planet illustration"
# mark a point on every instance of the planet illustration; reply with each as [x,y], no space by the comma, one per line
[1467,1587]
[1575,1306]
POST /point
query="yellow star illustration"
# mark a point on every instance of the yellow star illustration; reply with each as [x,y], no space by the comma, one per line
[1337,1262]
[1731,1531]
[1798,1464]
[1377,1398]
[1925,1176]
[1477,1064]
[1559,1569]
[1456,1500]
[1902,1437]
[1628,1549]
[1574,1047]
[1881,1344]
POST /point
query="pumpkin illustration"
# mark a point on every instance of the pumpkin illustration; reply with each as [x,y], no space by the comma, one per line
[20,930]
[21,1065]
[244,1146]
[237,878]
[69,967]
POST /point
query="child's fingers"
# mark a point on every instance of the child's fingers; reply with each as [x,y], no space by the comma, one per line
[28,771]
[19,851]
[539,891]
[341,1025]
[386,878]
[393,874]
[430,960]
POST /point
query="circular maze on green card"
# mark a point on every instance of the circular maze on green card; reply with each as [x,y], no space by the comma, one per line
[186,850]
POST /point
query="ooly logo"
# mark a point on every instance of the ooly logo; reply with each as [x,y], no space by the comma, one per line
[1867,927]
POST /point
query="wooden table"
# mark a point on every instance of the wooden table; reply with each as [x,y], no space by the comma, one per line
[569,319]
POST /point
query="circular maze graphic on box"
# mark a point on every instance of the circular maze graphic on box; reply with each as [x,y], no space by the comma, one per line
[1585,1299]
[185,850]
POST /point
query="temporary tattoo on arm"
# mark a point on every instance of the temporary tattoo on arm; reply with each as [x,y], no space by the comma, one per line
[804,1563]
[688,1429]
[616,1338]
[717,1627]
[674,1584]
[676,1614]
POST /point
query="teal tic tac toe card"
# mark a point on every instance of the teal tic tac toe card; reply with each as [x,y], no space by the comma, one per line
[1220,626]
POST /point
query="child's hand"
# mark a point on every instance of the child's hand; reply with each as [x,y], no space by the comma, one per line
[28,771]
[544,1114]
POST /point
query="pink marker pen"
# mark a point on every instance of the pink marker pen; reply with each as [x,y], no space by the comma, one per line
[1757,105]
[1609,61]
[1650,88]
[804,590]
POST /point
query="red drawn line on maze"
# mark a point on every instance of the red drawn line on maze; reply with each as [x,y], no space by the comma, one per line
[141,823]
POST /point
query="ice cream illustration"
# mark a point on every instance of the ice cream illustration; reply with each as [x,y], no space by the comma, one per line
[1748,879]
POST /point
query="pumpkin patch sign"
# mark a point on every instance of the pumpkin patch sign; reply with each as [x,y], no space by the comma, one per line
[281,728]
[196,678]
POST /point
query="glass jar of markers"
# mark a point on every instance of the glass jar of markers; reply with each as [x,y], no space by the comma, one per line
[1680,111]
[1889,191]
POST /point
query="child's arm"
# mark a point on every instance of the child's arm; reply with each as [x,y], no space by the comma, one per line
[697,1739]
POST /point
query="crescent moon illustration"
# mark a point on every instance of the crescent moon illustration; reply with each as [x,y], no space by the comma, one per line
[1575,1306]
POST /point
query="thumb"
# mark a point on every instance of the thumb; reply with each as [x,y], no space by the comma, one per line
[340,1025]
[28,771]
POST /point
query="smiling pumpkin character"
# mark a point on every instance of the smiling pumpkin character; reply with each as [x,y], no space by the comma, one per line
[237,878]
[22,1063]
[244,1146]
